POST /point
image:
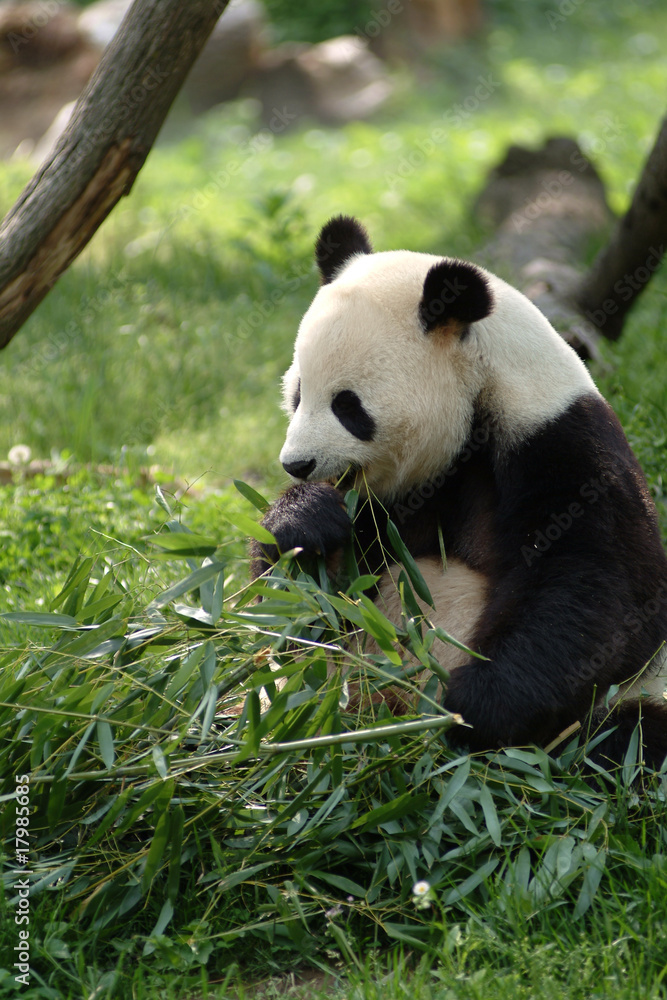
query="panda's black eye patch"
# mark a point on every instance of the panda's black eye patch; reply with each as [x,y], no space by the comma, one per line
[296,398]
[348,408]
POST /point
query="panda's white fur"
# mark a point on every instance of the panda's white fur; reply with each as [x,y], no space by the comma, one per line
[459,597]
[422,388]
[558,625]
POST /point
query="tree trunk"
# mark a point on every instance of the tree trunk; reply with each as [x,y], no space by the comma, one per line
[545,207]
[96,160]
[634,252]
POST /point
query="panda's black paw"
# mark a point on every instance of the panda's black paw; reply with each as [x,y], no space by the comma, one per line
[310,516]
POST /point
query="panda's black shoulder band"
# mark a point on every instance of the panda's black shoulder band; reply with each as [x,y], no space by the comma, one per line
[340,239]
[454,290]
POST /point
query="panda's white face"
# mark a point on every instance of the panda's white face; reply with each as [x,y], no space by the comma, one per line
[368,390]
[373,393]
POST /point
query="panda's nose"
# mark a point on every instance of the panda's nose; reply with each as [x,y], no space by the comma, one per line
[300,470]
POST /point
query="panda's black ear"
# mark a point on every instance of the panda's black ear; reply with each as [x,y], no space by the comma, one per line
[339,240]
[454,290]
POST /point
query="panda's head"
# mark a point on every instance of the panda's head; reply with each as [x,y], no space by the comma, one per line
[395,355]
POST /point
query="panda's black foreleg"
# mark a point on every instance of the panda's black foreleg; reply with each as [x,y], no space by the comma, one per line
[536,679]
[506,707]
[310,516]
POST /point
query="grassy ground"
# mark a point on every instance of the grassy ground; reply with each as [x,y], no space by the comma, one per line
[171,855]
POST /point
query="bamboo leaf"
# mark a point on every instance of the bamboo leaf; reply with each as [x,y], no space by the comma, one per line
[454,786]
[79,574]
[93,609]
[361,584]
[254,720]
[89,640]
[184,543]
[40,619]
[211,701]
[218,595]
[351,503]
[490,815]
[156,851]
[56,802]
[592,878]
[189,583]
[79,748]
[106,744]
[183,674]
[117,806]
[242,875]
[446,637]
[160,761]
[340,882]
[471,883]
[411,568]
[178,822]
[250,527]
[255,498]
[410,934]
[389,811]
[161,924]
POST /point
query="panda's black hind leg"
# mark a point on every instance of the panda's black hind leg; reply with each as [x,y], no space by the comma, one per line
[311,516]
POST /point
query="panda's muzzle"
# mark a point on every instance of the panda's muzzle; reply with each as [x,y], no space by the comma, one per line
[301,469]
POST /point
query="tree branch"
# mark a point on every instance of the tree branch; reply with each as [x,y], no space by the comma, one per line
[96,160]
[634,252]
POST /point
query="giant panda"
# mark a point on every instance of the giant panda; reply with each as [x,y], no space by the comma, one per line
[448,400]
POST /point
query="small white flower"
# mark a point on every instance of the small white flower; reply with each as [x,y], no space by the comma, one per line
[20,454]
[422,895]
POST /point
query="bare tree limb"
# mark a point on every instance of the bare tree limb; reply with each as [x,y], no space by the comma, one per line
[634,252]
[110,134]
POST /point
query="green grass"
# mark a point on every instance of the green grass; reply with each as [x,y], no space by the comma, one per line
[190,831]
[177,851]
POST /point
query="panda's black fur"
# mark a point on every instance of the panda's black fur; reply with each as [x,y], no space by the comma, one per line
[559,524]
